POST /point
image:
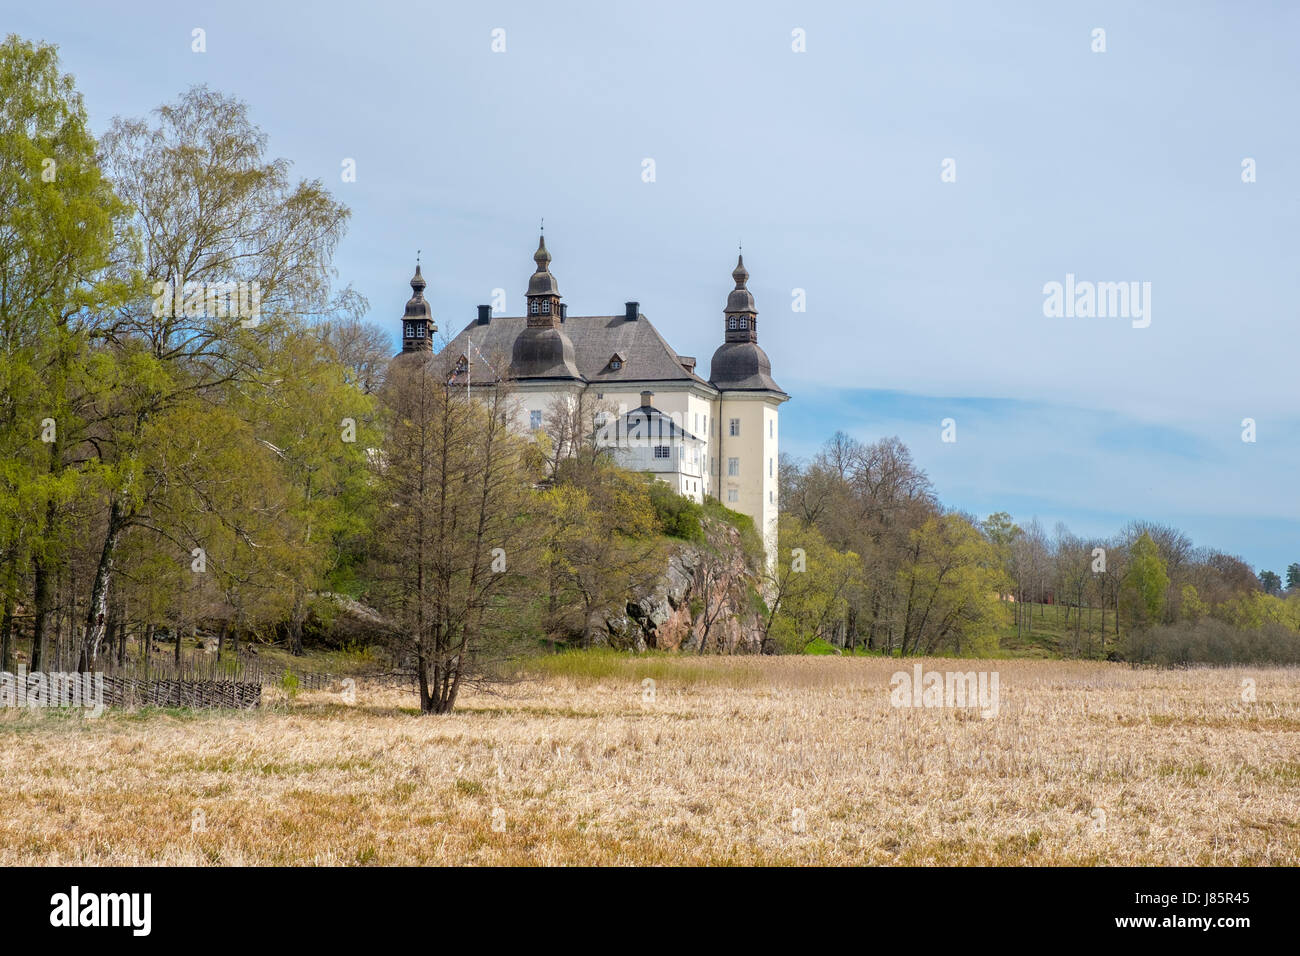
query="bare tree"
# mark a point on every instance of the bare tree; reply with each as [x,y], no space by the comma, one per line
[459,514]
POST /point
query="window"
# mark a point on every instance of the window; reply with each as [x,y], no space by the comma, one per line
[771,428]
[615,365]
[410,330]
[771,496]
[533,307]
[731,321]
[601,419]
[534,420]
[734,428]
[419,330]
[733,495]
[733,467]
[546,307]
[769,468]
[661,451]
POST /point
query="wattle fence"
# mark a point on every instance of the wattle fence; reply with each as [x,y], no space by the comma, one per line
[200,680]
[131,692]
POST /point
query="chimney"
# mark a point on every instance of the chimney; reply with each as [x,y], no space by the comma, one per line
[484,314]
[632,309]
[647,397]
[564,311]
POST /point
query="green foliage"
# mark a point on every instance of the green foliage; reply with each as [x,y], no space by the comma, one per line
[679,516]
[952,580]
[1145,582]
[810,587]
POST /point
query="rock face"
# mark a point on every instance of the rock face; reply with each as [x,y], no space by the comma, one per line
[706,596]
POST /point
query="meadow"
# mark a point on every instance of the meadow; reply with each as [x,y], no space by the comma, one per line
[601,758]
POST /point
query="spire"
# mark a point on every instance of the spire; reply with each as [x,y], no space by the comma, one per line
[418,325]
[543,291]
[541,256]
[742,316]
[740,273]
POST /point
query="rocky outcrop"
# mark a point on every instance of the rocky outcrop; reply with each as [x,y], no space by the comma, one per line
[706,599]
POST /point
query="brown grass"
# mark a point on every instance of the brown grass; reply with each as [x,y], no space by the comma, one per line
[1086,763]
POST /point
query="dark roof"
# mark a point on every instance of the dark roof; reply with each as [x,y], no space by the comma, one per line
[742,366]
[594,338]
[543,353]
[648,422]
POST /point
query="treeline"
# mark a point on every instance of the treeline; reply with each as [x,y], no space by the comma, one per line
[896,573]
[200,438]
[183,399]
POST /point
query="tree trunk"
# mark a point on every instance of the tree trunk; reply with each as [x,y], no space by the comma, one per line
[42,607]
[121,636]
[295,628]
[97,612]
[6,634]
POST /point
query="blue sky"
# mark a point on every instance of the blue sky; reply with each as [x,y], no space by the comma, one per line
[924,298]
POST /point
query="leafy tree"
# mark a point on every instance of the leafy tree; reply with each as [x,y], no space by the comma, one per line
[951,582]
[602,546]
[1270,582]
[1293,576]
[1145,582]
[808,588]
[210,211]
[58,216]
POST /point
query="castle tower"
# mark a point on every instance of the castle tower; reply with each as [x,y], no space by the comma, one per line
[745,473]
[543,292]
[543,350]
[418,326]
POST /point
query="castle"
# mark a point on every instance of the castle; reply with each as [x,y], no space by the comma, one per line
[716,436]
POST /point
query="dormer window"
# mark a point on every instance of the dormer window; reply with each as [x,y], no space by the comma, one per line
[615,361]
[533,307]
[546,307]
[462,365]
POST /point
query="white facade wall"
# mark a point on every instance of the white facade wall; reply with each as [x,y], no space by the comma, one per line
[706,414]
[753,489]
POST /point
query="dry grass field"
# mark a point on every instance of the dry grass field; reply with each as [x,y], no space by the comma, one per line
[734,761]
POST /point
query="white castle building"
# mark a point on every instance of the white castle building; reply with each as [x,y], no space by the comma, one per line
[716,436]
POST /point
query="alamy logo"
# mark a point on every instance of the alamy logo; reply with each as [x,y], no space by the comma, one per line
[209,300]
[949,689]
[74,908]
[1098,300]
[54,689]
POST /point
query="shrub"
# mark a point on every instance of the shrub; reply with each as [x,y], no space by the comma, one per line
[1210,641]
[679,517]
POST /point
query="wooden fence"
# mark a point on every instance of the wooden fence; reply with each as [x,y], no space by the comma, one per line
[202,667]
[130,692]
